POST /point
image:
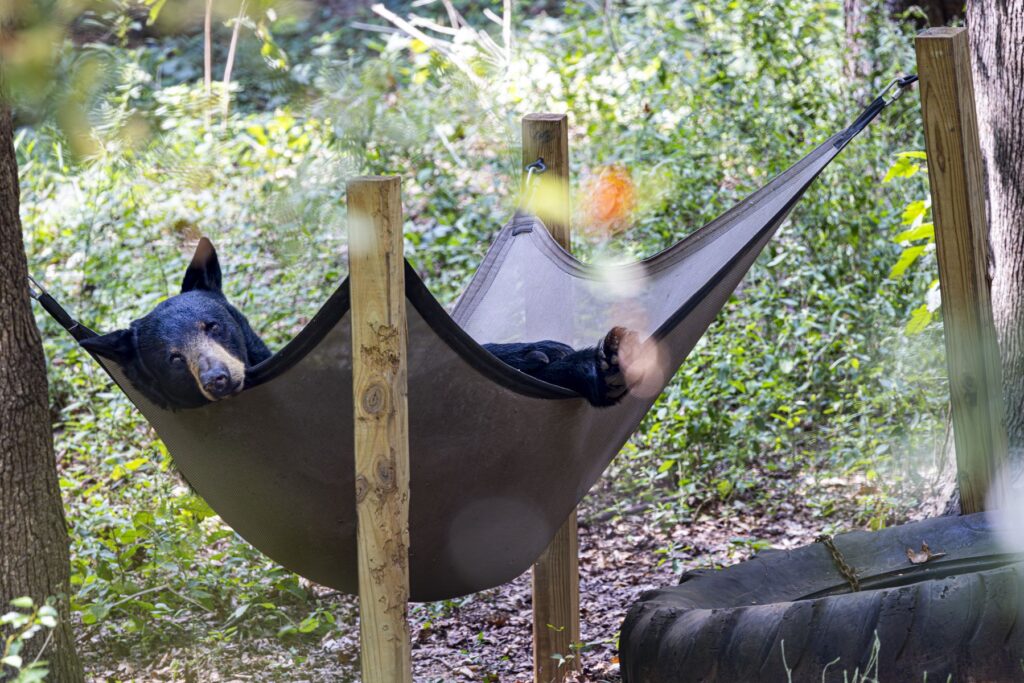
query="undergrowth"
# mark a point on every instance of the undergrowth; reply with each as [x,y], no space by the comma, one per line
[808,377]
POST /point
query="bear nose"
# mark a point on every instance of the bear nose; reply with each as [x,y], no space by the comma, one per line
[216,382]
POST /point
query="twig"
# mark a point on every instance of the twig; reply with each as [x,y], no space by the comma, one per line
[155,589]
[208,48]
[441,46]
[208,57]
[362,26]
[489,13]
[49,637]
[190,600]
[453,14]
[416,20]
[124,601]
[506,30]
[226,94]
[448,146]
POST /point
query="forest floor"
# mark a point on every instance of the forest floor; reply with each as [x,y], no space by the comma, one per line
[487,636]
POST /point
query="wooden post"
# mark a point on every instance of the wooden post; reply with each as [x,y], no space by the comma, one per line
[377,272]
[961,237]
[556,575]
[546,137]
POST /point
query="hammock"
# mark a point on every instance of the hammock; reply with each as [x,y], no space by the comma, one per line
[498,459]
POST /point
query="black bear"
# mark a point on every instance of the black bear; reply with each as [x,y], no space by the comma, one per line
[191,349]
[196,347]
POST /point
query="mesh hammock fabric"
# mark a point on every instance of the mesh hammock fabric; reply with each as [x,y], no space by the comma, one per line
[498,459]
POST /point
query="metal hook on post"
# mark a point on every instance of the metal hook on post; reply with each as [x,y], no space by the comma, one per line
[900,84]
[529,185]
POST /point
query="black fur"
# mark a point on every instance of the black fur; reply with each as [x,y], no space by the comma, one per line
[157,351]
[182,344]
[594,372]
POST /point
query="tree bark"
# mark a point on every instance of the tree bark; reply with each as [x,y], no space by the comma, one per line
[937,12]
[33,537]
[857,65]
[996,30]
[861,19]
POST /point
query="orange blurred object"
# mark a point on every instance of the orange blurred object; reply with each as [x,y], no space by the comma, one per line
[609,199]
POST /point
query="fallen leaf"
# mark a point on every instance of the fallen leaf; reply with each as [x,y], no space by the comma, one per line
[923,555]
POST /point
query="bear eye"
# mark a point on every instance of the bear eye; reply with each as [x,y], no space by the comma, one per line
[212,327]
[176,358]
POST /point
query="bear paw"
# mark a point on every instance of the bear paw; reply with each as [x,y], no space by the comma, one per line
[617,346]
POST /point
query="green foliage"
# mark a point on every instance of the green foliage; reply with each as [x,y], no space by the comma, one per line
[25,622]
[809,373]
[918,242]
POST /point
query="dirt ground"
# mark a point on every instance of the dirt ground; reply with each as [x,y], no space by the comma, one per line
[487,637]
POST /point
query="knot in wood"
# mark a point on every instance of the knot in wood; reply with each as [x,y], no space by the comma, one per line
[386,474]
[375,398]
[362,487]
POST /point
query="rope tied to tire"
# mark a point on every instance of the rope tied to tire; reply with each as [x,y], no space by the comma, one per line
[842,565]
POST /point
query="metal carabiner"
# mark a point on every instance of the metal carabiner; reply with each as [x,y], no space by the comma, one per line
[901,84]
[35,290]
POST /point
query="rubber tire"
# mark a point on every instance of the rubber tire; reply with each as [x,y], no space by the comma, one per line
[958,616]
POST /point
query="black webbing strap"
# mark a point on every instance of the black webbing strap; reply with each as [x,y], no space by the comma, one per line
[79,331]
[57,312]
[875,108]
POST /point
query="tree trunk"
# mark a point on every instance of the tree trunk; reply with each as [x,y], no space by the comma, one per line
[996,30]
[937,12]
[857,65]
[33,537]
[861,19]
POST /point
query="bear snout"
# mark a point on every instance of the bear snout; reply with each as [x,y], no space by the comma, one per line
[216,382]
[218,373]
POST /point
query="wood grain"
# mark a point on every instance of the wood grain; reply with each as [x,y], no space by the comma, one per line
[556,575]
[556,606]
[546,137]
[961,234]
[379,386]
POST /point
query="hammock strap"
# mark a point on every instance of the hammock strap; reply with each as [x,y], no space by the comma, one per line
[875,108]
[56,311]
[897,86]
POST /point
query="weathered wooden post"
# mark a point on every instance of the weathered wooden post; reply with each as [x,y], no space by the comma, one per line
[556,581]
[961,237]
[379,386]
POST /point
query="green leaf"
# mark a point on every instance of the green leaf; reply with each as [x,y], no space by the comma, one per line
[143,519]
[135,464]
[309,624]
[915,211]
[919,320]
[154,11]
[907,259]
[94,613]
[912,155]
[12,661]
[197,506]
[22,603]
[921,232]
[903,168]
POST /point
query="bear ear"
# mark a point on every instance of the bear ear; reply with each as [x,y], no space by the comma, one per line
[204,271]
[117,346]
